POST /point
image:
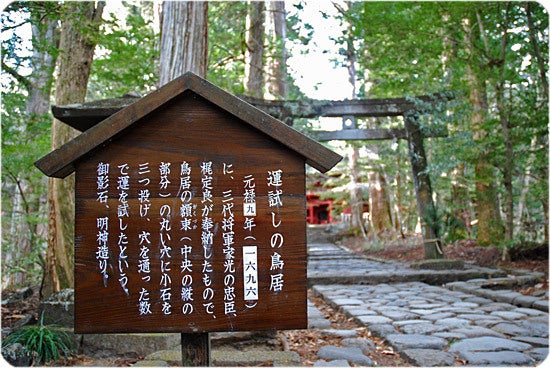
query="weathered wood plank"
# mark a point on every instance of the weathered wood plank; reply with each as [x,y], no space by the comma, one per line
[195,350]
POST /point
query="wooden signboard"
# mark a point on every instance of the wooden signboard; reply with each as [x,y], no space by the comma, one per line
[190,215]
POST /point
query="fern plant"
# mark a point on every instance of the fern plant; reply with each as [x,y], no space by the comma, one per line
[45,343]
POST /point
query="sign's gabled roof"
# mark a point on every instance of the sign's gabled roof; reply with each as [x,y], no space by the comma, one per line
[60,162]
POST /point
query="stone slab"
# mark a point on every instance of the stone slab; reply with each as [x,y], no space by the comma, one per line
[382,330]
[351,354]
[510,329]
[497,358]
[477,331]
[223,357]
[172,357]
[366,345]
[373,320]
[539,354]
[332,363]
[415,341]
[429,357]
[534,341]
[423,328]
[488,343]
[536,328]
[139,344]
[151,363]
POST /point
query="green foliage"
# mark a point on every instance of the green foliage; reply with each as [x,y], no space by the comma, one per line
[227,44]
[45,343]
[25,138]
[418,48]
[126,59]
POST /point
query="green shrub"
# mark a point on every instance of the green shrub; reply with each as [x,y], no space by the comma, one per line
[45,343]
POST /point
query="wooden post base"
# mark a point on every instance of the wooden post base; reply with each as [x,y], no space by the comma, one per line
[195,349]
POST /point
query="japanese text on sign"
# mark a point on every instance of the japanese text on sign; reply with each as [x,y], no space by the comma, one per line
[181,222]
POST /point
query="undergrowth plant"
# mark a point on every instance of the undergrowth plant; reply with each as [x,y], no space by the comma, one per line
[44,342]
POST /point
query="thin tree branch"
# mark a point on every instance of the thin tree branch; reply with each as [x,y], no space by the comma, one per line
[21,79]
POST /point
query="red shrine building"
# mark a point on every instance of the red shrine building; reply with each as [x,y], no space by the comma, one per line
[319,211]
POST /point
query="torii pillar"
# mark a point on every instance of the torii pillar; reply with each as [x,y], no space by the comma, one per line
[422,187]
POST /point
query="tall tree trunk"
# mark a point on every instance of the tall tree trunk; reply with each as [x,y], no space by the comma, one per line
[525,185]
[503,115]
[254,55]
[459,194]
[460,197]
[184,39]
[277,78]
[379,207]
[357,223]
[76,46]
[490,229]
[542,64]
[398,210]
[541,61]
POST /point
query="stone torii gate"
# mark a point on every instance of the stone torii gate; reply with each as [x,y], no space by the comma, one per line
[84,116]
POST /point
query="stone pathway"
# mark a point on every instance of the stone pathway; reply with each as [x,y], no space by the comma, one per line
[433,325]
[431,317]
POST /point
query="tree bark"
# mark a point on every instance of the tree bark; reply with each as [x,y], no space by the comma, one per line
[277,78]
[254,55]
[74,64]
[503,115]
[490,230]
[184,39]
[541,62]
[379,207]
[460,197]
[357,223]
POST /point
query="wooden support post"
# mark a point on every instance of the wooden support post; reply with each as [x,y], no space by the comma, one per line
[195,349]
[422,187]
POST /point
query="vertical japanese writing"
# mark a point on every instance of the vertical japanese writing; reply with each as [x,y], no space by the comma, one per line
[123,213]
[249,202]
[250,276]
[275,181]
[207,236]
[165,223]
[164,170]
[228,236]
[169,254]
[102,182]
[144,262]
[187,212]
[102,223]
[102,254]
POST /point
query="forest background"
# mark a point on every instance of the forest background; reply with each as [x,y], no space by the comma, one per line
[489,175]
